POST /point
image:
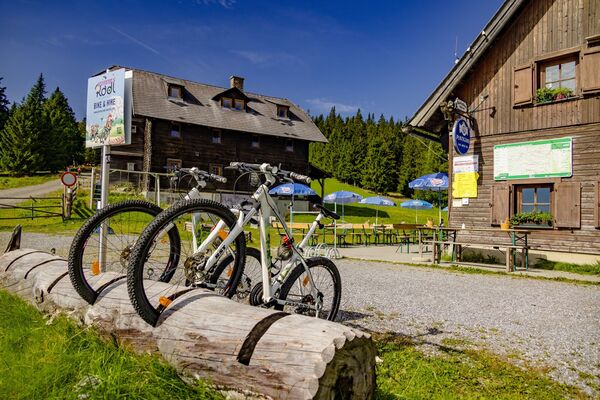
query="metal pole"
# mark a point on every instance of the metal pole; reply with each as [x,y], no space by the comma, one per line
[103,203]
[92,187]
[335,227]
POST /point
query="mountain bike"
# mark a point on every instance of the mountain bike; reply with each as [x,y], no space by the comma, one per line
[309,286]
[101,249]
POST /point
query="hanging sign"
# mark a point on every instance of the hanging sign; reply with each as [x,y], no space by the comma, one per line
[108,112]
[68,179]
[461,135]
[460,105]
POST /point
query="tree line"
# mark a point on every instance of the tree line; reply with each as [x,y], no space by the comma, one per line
[39,134]
[375,154]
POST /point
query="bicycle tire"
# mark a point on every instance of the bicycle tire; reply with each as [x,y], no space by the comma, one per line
[76,268]
[142,249]
[249,279]
[297,273]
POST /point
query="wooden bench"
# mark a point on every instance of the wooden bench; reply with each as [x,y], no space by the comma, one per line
[508,248]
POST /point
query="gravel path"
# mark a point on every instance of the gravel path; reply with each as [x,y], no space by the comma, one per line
[26,191]
[543,323]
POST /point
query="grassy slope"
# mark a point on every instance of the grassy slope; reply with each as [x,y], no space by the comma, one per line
[9,182]
[40,360]
[54,360]
[588,269]
[360,213]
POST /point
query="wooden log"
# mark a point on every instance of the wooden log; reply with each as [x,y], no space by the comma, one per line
[205,335]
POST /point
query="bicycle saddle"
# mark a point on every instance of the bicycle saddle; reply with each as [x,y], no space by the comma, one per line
[326,212]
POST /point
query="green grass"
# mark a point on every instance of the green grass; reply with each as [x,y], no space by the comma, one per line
[360,213]
[586,269]
[407,373]
[9,182]
[40,360]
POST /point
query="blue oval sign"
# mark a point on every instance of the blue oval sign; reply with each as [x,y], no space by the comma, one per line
[461,134]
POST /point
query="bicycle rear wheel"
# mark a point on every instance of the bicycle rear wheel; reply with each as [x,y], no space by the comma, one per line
[251,277]
[297,289]
[90,272]
[202,225]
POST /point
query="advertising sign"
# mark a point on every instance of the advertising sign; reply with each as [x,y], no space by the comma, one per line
[461,134]
[465,164]
[538,159]
[107,122]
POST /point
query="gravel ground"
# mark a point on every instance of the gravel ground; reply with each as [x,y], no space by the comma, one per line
[541,323]
[546,324]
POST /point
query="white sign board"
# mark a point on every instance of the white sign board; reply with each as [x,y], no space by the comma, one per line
[108,117]
[539,159]
[462,164]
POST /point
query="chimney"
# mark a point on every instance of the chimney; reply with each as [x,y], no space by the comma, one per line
[236,81]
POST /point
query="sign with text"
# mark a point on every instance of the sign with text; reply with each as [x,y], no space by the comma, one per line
[107,119]
[465,164]
[465,185]
[461,134]
[550,158]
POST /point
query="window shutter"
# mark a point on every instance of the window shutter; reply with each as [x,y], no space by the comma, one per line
[590,70]
[597,204]
[500,206]
[523,85]
[567,205]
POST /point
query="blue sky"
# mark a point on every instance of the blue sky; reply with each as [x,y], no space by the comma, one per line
[379,56]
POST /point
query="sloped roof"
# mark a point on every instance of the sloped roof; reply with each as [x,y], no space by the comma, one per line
[467,61]
[198,107]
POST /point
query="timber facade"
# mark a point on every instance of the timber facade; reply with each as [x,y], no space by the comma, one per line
[510,80]
[187,124]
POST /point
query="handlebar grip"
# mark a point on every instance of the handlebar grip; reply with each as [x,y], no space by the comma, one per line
[218,178]
[300,177]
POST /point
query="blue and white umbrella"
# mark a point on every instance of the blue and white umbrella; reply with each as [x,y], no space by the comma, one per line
[378,201]
[292,189]
[342,197]
[417,205]
[434,182]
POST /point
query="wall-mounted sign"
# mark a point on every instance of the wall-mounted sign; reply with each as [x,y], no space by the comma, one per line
[461,135]
[108,109]
[538,159]
[465,164]
[464,185]
[460,105]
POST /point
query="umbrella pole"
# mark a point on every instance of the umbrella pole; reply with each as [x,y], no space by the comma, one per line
[439,208]
[416,210]
[376,215]
[335,227]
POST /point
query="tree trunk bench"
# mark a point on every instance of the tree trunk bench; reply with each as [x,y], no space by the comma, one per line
[234,346]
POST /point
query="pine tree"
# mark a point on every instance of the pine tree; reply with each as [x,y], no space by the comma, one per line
[64,134]
[3,105]
[24,138]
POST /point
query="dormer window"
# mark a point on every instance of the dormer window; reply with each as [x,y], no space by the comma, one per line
[226,102]
[240,105]
[282,111]
[175,91]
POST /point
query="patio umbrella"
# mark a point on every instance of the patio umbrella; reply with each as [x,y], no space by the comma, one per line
[445,209]
[434,182]
[417,205]
[342,197]
[378,201]
[293,190]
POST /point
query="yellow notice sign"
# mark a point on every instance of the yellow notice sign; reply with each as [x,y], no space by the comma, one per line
[464,185]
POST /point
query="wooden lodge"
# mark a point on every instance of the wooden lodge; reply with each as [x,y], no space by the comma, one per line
[531,84]
[178,122]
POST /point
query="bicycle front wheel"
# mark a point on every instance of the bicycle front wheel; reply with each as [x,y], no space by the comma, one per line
[299,295]
[251,277]
[95,261]
[202,227]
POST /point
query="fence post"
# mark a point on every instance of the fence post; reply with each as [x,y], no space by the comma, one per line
[92,187]
[69,203]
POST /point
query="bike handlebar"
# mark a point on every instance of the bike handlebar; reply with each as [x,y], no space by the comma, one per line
[279,173]
[203,175]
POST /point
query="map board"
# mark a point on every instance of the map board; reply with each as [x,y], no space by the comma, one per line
[538,159]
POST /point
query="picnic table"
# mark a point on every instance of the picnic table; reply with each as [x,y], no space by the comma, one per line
[443,236]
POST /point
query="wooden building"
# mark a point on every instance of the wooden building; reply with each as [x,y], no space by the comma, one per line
[531,75]
[177,122]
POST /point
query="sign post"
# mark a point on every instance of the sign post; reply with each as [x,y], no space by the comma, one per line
[108,122]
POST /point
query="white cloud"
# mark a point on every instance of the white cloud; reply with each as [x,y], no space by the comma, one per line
[134,40]
[223,3]
[325,105]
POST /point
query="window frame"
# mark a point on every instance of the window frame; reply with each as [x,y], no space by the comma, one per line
[178,125]
[235,105]
[518,189]
[174,161]
[229,99]
[559,61]
[255,142]
[216,169]
[286,111]
[179,91]
[218,138]
[289,145]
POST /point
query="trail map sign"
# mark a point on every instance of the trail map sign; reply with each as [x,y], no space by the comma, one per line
[108,111]
[539,159]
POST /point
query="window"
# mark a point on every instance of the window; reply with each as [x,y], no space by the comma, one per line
[282,111]
[255,141]
[226,102]
[534,198]
[289,145]
[175,91]
[175,131]
[130,166]
[216,136]
[133,129]
[216,169]
[239,104]
[173,163]
[559,73]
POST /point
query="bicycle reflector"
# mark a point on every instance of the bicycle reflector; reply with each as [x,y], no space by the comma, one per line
[95,267]
[165,301]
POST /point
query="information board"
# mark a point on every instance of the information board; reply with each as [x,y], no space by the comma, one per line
[550,158]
